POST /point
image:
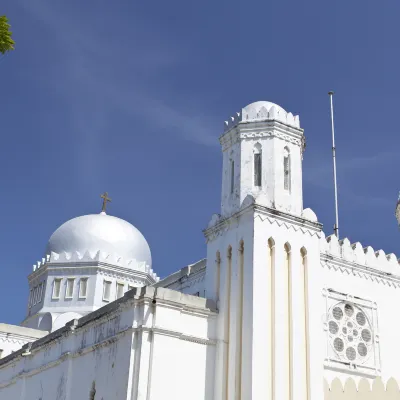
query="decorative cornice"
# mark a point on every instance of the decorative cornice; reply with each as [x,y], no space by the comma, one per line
[261,129]
[78,259]
[8,339]
[218,225]
[360,271]
[129,279]
[287,220]
[112,270]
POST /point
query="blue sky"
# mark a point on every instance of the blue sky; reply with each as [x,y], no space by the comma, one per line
[130,98]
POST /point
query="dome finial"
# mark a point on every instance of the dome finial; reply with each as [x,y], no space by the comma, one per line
[106,199]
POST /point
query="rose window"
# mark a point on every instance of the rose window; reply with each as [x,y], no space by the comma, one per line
[350,332]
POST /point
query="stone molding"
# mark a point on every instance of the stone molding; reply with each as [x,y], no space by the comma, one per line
[102,268]
[127,278]
[182,336]
[360,271]
[76,258]
[257,130]
[219,225]
[8,339]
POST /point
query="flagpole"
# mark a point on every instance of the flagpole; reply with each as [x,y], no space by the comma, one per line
[336,226]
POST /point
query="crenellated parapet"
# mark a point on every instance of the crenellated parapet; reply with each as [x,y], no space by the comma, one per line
[355,253]
[262,111]
[87,257]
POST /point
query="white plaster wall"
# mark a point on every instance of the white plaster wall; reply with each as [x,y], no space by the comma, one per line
[379,290]
[132,349]
[181,368]
[225,378]
[259,373]
[297,237]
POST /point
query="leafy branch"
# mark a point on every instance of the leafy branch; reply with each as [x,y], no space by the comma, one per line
[6,41]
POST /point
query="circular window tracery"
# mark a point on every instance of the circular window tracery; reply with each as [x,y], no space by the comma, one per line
[350,332]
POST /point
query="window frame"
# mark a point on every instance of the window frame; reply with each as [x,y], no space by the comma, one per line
[104,288]
[59,280]
[86,280]
[42,291]
[118,285]
[70,279]
[257,170]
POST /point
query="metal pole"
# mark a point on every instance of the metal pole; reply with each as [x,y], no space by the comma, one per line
[336,226]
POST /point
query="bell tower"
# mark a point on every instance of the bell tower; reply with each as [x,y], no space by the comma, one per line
[262,255]
[262,156]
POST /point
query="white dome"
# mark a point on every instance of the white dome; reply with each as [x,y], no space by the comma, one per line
[100,232]
[254,108]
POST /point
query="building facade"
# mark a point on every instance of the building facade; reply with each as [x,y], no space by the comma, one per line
[275,311]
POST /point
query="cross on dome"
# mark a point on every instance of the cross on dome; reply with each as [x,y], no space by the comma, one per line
[106,199]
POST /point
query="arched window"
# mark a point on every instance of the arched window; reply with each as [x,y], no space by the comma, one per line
[286,169]
[257,165]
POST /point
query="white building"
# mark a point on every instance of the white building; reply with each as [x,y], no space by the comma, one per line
[275,311]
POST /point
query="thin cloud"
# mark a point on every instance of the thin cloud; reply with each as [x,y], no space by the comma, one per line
[87,66]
